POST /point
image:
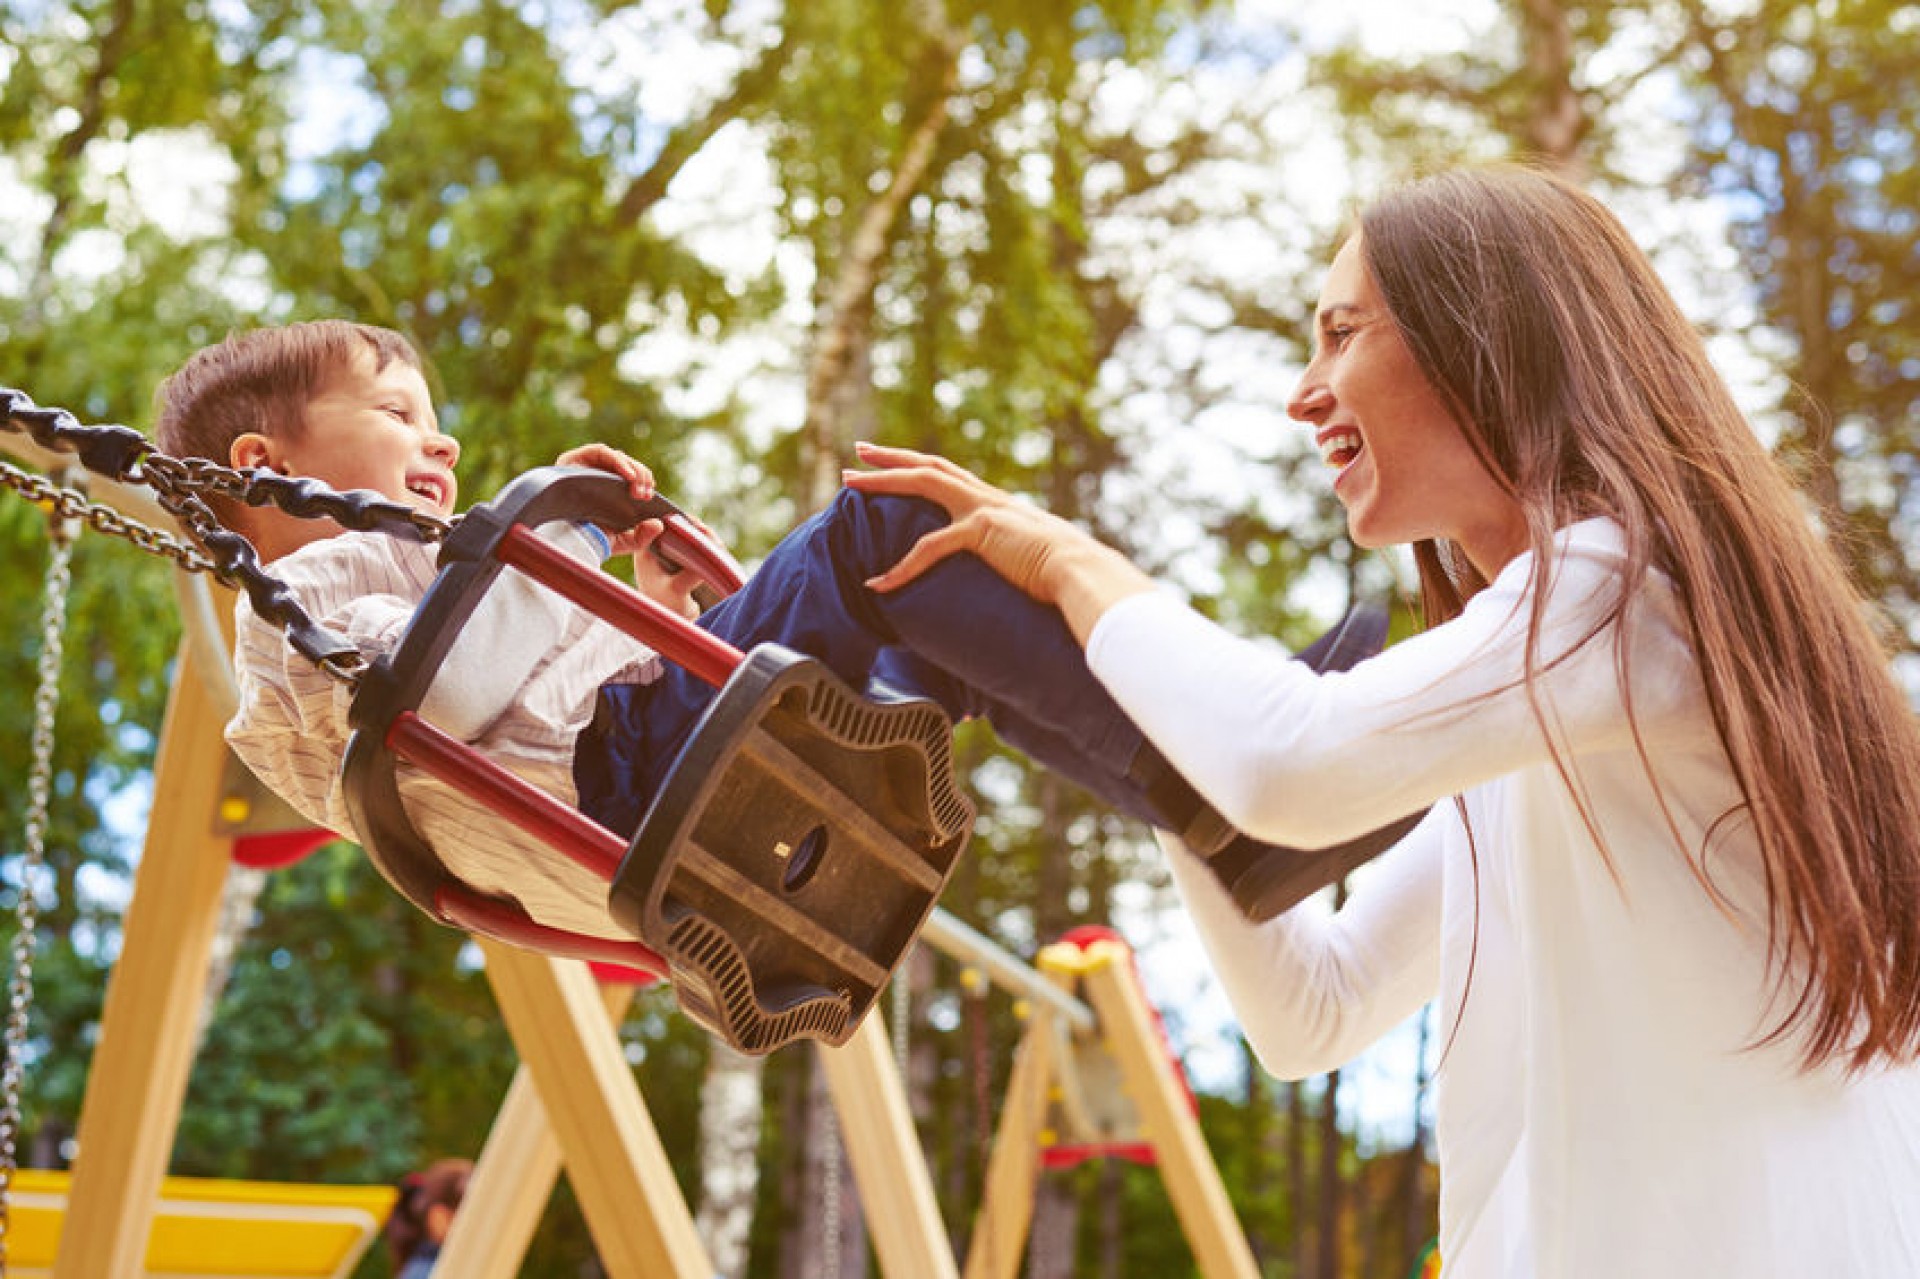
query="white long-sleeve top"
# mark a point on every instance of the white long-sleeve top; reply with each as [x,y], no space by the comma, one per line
[519,685]
[1602,1109]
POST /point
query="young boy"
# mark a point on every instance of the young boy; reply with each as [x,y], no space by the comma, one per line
[577,708]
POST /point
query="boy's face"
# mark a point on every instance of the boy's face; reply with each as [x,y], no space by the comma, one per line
[376,430]
[368,428]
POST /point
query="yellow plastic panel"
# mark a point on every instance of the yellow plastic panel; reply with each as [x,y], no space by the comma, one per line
[204,1228]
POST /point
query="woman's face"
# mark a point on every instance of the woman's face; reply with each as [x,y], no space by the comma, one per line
[1404,469]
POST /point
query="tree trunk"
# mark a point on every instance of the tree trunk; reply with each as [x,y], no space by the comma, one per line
[1056,1223]
[1056,1209]
[1297,1173]
[794,1190]
[1112,1220]
[1557,123]
[64,165]
[730,1105]
[841,337]
[1256,1138]
[831,1242]
[1328,1232]
[1417,1220]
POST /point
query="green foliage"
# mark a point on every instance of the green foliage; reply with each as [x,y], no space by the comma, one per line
[1815,154]
[337,992]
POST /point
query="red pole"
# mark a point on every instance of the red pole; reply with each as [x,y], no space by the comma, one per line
[529,808]
[704,656]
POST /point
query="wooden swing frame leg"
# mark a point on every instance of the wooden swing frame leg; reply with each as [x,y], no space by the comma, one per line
[889,1166]
[149,1026]
[586,1091]
[1186,1166]
[1103,974]
[514,1176]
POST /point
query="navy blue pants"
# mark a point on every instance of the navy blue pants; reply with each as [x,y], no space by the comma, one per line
[960,635]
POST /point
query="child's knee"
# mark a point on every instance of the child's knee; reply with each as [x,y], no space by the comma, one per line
[883,525]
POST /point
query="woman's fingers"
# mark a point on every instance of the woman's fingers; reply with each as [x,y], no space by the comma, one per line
[907,473]
[926,553]
[916,481]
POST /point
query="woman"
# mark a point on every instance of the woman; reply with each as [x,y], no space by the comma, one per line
[1671,909]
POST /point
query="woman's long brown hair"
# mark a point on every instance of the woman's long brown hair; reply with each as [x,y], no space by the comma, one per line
[1575,373]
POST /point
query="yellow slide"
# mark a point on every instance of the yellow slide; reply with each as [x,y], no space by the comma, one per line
[204,1228]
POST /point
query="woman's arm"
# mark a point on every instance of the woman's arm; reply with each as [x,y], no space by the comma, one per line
[1314,987]
[1309,760]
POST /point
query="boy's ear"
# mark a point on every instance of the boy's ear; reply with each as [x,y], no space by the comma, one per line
[252,449]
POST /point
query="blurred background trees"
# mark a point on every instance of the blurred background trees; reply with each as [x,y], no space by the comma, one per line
[1073,246]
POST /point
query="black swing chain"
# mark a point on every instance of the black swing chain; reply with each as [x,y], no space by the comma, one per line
[178,484]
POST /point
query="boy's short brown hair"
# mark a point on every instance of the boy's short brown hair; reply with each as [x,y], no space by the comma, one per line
[261,380]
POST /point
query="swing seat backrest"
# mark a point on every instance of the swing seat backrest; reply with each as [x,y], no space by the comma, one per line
[384,714]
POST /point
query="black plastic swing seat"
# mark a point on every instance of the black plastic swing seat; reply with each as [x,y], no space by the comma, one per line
[795,849]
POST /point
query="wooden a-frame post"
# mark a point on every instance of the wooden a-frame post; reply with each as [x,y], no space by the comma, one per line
[1103,974]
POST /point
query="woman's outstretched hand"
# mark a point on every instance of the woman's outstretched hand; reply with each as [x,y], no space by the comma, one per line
[1041,554]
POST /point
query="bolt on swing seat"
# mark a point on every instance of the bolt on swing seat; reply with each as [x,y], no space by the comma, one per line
[795,848]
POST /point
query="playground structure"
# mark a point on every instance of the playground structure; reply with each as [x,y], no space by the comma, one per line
[574,1103]
[203,1226]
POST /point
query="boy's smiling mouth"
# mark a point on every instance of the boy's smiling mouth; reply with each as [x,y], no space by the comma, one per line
[430,487]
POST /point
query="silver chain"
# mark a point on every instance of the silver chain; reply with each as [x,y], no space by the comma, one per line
[62,529]
[830,1262]
[902,991]
[182,486]
[71,504]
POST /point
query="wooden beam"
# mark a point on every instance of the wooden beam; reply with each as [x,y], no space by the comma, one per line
[619,1170]
[1186,1166]
[889,1166]
[138,1078]
[513,1178]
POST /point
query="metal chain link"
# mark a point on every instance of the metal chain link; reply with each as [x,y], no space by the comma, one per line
[830,1173]
[62,530]
[902,992]
[71,504]
[182,485]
